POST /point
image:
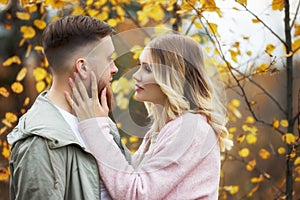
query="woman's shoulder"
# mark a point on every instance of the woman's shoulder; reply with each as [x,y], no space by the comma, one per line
[189,118]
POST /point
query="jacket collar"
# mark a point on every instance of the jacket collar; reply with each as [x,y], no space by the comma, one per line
[43,119]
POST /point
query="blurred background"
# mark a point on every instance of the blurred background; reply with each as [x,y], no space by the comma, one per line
[254,45]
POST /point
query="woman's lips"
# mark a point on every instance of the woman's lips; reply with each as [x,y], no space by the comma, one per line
[138,88]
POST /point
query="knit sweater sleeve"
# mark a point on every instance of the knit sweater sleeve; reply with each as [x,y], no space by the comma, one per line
[178,150]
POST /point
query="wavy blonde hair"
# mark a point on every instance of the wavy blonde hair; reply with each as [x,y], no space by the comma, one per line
[178,68]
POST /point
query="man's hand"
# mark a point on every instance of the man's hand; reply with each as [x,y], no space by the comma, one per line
[84,106]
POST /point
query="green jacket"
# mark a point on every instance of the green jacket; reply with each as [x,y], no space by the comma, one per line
[47,162]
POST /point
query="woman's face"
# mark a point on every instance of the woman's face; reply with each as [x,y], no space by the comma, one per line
[147,89]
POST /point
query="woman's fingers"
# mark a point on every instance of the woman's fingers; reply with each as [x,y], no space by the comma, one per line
[94,87]
[82,90]
[76,94]
[104,100]
[71,101]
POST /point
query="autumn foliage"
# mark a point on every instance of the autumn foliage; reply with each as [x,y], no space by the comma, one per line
[263,115]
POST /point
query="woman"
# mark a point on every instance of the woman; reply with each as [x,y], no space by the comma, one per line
[179,157]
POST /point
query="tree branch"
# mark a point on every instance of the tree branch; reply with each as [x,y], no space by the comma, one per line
[231,69]
[295,17]
[261,21]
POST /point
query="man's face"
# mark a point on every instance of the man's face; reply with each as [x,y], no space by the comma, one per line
[100,61]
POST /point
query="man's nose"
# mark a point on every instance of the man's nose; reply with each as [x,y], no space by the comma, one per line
[113,68]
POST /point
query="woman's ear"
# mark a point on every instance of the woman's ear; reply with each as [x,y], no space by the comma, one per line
[81,68]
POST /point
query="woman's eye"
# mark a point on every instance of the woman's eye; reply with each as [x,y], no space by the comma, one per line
[147,68]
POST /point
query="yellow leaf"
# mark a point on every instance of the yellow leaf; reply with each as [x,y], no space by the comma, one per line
[196,37]
[198,25]
[297,179]
[17,87]
[284,123]
[29,47]
[4,92]
[255,21]
[297,161]
[251,165]
[253,190]
[250,120]
[122,102]
[22,73]
[296,45]
[236,102]
[23,15]
[11,60]
[22,111]
[251,138]
[5,150]
[112,22]
[78,11]
[288,55]
[244,152]
[3,129]
[289,138]
[278,5]
[156,12]
[133,139]
[257,179]
[6,123]
[249,53]
[92,12]
[293,154]
[26,101]
[281,150]
[120,11]
[275,123]
[232,189]
[124,140]
[4,174]
[264,154]
[40,86]
[232,129]
[241,138]
[40,24]
[234,55]
[137,50]
[22,42]
[270,48]
[28,32]
[11,117]
[262,68]
[244,2]
[3,2]
[31,8]
[39,73]
[297,30]
[39,48]
[213,28]
[102,16]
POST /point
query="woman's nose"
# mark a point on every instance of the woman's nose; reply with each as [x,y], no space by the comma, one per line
[136,75]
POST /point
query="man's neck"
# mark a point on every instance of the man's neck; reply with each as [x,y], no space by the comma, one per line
[57,97]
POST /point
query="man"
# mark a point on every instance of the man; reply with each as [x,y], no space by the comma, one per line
[48,157]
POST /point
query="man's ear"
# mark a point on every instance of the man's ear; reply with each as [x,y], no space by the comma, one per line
[81,68]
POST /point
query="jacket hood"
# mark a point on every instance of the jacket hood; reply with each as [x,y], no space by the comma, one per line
[43,119]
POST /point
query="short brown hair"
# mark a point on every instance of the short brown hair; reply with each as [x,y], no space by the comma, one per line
[67,34]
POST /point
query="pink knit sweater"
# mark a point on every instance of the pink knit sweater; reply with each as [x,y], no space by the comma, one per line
[183,161]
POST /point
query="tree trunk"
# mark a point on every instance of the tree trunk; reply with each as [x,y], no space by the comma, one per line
[289,100]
